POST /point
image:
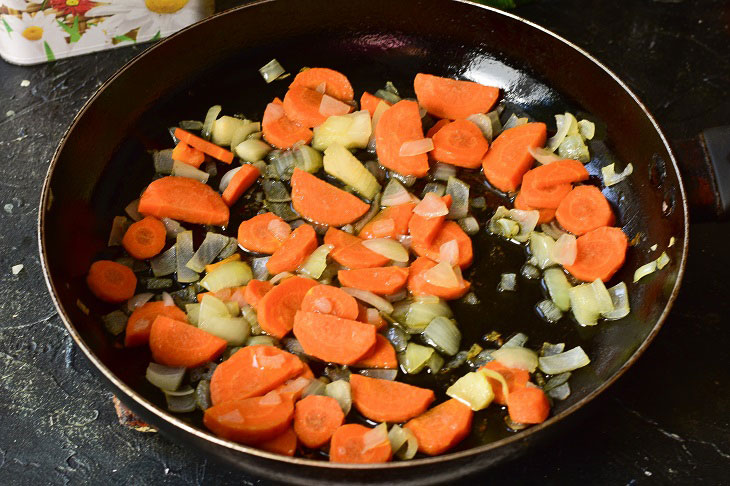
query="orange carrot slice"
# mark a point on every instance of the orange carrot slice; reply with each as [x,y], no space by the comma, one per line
[292,253]
[233,258]
[316,418]
[145,238]
[546,215]
[388,401]
[379,280]
[442,427]
[276,310]
[255,291]
[370,102]
[515,378]
[508,158]
[225,156]
[400,123]
[256,234]
[241,181]
[418,285]
[528,405]
[322,202]
[460,143]
[348,445]
[336,84]
[301,105]
[584,209]
[177,343]
[327,299]
[111,281]
[252,420]
[349,251]
[450,231]
[382,356]
[436,127]
[370,315]
[450,98]
[284,444]
[333,339]
[424,230]
[183,199]
[280,131]
[140,322]
[391,222]
[542,197]
[601,253]
[560,172]
[187,154]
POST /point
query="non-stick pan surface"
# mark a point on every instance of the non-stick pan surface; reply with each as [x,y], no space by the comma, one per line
[103,163]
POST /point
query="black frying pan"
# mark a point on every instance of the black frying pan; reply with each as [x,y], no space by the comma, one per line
[102,163]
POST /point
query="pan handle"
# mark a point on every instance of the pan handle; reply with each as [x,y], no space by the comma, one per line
[705,167]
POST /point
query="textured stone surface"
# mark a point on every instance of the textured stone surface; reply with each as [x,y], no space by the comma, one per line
[664,422]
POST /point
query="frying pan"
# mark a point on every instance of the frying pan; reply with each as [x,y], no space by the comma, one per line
[102,163]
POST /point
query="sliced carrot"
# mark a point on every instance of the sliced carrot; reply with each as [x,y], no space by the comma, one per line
[316,418]
[366,315]
[391,222]
[140,322]
[560,172]
[187,154]
[183,199]
[111,281]
[450,98]
[327,299]
[294,251]
[378,280]
[436,127]
[382,356]
[233,258]
[388,401]
[333,339]
[424,230]
[601,253]
[251,420]
[370,102]
[322,202]
[460,143]
[177,343]
[515,378]
[336,84]
[542,197]
[252,371]
[528,405]
[294,388]
[348,445]
[276,310]
[450,231]
[301,105]
[350,252]
[225,156]
[546,215]
[280,131]
[585,208]
[418,285]
[508,158]
[255,234]
[442,427]
[145,238]
[256,290]
[399,124]
[284,444]
[241,181]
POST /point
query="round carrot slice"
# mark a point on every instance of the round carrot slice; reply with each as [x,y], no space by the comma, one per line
[316,418]
[542,197]
[601,253]
[251,420]
[349,445]
[145,238]
[140,322]
[277,308]
[327,299]
[279,130]
[111,281]
[585,208]
[336,84]
[460,143]
[263,233]
[436,127]
[388,401]
[301,105]
[449,231]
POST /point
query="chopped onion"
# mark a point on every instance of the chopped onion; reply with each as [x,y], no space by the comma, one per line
[167,299]
[370,298]
[442,172]
[235,330]
[469,225]
[542,155]
[315,387]
[530,271]
[374,437]
[432,206]
[210,117]
[507,282]
[202,395]
[330,106]
[120,224]
[527,221]
[549,311]
[471,299]
[321,87]
[271,71]
[645,270]
[415,147]
[165,263]
[415,358]
[552,229]
[459,192]
[517,341]
[115,322]
[279,277]
[495,375]
[258,267]
[275,191]
[564,123]
[231,274]
[473,389]
[182,401]
[560,392]
[584,305]
[449,252]
[442,275]
[551,349]
[406,180]
[604,302]
[398,295]
[587,129]
[273,112]
[398,338]
[610,177]
[387,247]
[397,437]
[541,249]
[132,210]
[184,252]
[211,246]
[484,123]
[672,240]
[406,241]
[411,448]
[226,179]
[620,299]
[514,121]
[557,380]
[165,377]
[138,301]
[662,261]
[443,334]
[395,194]
[379,110]
[558,287]
[340,391]
[517,357]
[564,250]
[374,209]
[172,227]
[573,147]
[423,310]
[316,263]
[163,160]
[181,169]
[563,362]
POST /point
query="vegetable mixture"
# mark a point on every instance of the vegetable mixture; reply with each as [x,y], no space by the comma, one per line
[300,325]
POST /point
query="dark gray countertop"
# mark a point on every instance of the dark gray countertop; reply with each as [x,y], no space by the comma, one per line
[665,422]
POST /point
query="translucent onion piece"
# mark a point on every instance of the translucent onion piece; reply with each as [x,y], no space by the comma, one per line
[415,147]
[226,179]
[604,302]
[172,227]
[517,357]
[398,295]
[229,249]
[271,71]
[530,271]
[473,389]
[421,312]
[443,334]
[374,437]
[208,251]
[235,330]
[184,252]
[138,301]
[587,129]
[330,106]
[553,230]
[210,117]
[432,206]
[395,194]
[541,248]
[567,361]
[389,248]
[441,275]
[564,124]
[193,313]
[244,131]
[167,299]
[379,110]
[252,150]
[514,121]
[415,358]
[560,392]
[273,112]
[316,263]
[406,241]
[275,191]
[672,240]
[165,377]
[496,376]
[261,341]
[271,398]
[163,160]
[115,322]
[315,387]
[527,221]
[645,270]
[494,118]
[258,267]
[564,250]
[210,167]
[542,155]
[370,298]
[662,261]
[398,338]
[573,147]
[484,123]
[182,401]
[557,380]
[390,87]
[549,311]
[132,211]
[397,437]
[321,87]
[181,169]
[551,349]
[471,299]
[507,282]
[231,274]
[308,159]
[120,224]
[406,180]
[517,341]
[558,288]
[340,391]
[374,209]
[459,191]
[449,252]
[280,276]
[409,451]
[442,172]
[165,263]
[202,395]
[584,305]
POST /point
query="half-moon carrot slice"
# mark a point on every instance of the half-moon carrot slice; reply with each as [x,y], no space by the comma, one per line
[301,105]
[399,124]
[423,229]
[256,234]
[436,127]
[378,280]
[292,253]
[183,199]
[460,143]
[382,355]
[284,444]
[391,222]
[252,420]
[333,339]
[585,208]
[546,215]
[350,252]
[177,343]
[542,197]
[322,202]
[336,84]
[442,427]
[348,445]
[451,98]
[255,291]
[450,231]
[370,102]
[140,322]
[327,299]
[508,158]
[560,172]
[601,253]
[242,180]
[276,310]
[388,401]
[280,131]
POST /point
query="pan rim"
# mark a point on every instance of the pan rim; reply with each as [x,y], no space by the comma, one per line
[162,415]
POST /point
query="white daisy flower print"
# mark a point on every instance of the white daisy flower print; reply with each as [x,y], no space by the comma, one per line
[153,18]
[16,4]
[36,36]
[93,38]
